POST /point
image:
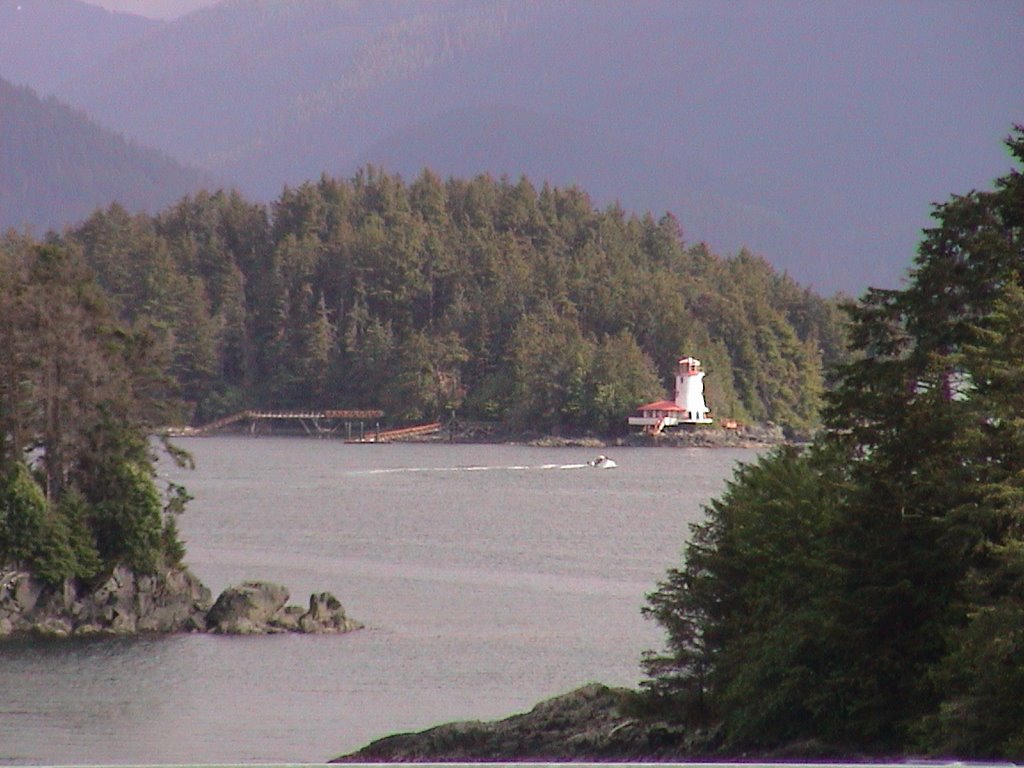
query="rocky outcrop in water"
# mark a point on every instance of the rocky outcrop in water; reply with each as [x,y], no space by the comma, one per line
[174,600]
[725,434]
[593,724]
[588,724]
[326,614]
[259,607]
[246,609]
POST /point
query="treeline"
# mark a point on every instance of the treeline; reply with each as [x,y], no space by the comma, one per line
[867,595]
[484,298]
[78,391]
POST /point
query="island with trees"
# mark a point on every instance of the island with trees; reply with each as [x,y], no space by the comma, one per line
[486,298]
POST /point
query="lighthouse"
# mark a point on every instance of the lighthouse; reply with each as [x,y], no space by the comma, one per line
[688,407]
[690,392]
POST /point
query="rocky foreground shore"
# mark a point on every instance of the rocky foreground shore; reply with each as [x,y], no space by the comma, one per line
[593,724]
[172,601]
[589,724]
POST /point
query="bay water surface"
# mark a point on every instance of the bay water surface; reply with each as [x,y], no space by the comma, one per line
[489,577]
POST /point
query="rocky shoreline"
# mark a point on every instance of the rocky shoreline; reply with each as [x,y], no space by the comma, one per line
[758,435]
[590,724]
[466,432]
[172,601]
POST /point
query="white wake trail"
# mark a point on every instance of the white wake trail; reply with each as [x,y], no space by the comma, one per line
[506,468]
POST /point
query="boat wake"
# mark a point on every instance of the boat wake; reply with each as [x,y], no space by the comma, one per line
[500,468]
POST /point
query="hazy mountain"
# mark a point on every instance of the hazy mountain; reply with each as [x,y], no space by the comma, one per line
[43,42]
[249,79]
[56,166]
[816,134]
[156,9]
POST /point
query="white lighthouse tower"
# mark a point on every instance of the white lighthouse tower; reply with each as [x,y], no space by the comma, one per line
[690,392]
[687,408]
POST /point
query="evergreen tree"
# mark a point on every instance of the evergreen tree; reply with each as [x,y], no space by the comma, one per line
[620,377]
[747,616]
[919,412]
[869,594]
[76,397]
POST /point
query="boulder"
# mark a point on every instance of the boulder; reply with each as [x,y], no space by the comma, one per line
[53,626]
[109,607]
[288,618]
[27,591]
[178,602]
[250,608]
[22,598]
[19,593]
[326,614]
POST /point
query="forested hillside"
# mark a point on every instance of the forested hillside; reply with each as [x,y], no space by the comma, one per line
[483,298]
[57,166]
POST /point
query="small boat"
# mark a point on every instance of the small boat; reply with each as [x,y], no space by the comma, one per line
[602,462]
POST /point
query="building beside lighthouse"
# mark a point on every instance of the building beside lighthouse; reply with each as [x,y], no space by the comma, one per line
[688,407]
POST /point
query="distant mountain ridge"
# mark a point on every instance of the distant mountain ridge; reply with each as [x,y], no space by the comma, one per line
[43,42]
[57,167]
[814,135]
[258,71]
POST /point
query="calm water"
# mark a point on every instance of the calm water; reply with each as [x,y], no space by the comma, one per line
[489,577]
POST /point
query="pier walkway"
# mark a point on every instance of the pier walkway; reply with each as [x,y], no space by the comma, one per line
[357,426]
[316,423]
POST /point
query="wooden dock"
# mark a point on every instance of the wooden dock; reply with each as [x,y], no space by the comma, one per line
[324,423]
[355,426]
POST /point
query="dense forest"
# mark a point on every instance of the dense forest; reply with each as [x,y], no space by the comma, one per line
[485,299]
[867,595]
